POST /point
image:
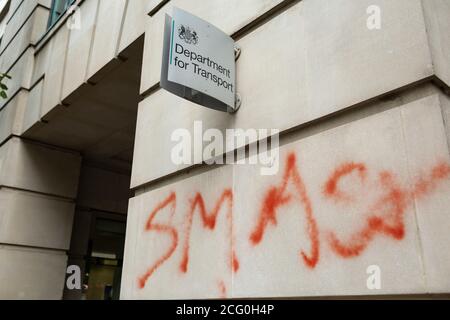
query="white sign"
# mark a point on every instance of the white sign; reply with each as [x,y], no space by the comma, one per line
[201,57]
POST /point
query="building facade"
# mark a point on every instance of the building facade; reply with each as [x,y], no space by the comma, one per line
[357,203]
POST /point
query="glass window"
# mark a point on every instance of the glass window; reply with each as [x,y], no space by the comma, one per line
[59,7]
[103,270]
[4,8]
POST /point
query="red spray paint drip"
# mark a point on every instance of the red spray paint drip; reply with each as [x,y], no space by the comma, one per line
[276,198]
[209,222]
[163,229]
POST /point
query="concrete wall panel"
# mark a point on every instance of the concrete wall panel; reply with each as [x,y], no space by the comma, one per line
[40,17]
[54,72]
[32,114]
[348,63]
[152,4]
[16,20]
[437,14]
[34,220]
[78,50]
[134,22]
[31,274]
[20,42]
[33,167]
[158,117]
[362,185]
[34,26]
[367,192]
[21,74]
[107,34]
[41,62]
[11,116]
[424,131]
[168,237]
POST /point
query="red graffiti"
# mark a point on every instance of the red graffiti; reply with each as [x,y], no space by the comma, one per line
[389,223]
[384,216]
[331,187]
[209,222]
[276,197]
[222,290]
[164,229]
[428,184]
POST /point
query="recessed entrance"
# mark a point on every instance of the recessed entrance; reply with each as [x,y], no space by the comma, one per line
[98,120]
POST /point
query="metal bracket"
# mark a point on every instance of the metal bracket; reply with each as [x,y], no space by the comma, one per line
[238,98]
[237,51]
[237,104]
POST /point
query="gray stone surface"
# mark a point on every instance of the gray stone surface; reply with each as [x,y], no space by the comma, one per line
[34,220]
[28,274]
[391,167]
[32,167]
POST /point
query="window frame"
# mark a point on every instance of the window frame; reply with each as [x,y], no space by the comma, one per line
[54,17]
